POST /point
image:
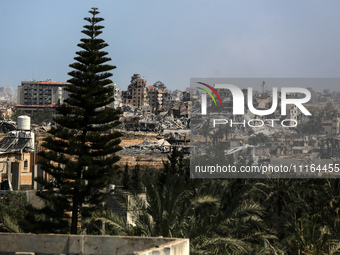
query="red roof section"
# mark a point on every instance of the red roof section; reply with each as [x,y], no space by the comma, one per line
[150,87]
[36,106]
[53,83]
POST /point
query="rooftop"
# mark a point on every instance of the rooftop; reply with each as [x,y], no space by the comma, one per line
[150,87]
[36,106]
[48,82]
[53,83]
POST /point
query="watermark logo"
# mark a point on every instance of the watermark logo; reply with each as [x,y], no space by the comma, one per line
[238,99]
[204,96]
[264,127]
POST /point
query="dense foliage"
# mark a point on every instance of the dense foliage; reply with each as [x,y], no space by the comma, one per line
[233,216]
[12,211]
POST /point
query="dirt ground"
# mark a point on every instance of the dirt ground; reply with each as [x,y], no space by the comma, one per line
[154,160]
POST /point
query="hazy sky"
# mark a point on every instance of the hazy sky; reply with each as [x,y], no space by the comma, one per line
[172,41]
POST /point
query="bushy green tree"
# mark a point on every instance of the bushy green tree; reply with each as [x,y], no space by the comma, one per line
[80,152]
[12,211]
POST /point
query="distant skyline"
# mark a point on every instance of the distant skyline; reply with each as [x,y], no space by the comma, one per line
[174,41]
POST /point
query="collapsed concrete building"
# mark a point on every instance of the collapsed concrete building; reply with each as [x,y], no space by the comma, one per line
[116,95]
[158,96]
[143,119]
[136,93]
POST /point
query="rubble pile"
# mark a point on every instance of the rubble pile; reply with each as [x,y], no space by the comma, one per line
[147,148]
[142,119]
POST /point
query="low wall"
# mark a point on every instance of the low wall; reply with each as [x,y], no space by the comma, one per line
[178,247]
[85,244]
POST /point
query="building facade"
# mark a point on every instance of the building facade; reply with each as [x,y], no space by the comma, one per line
[336,124]
[116,95]
[136,94]
[158,96]
[42,92]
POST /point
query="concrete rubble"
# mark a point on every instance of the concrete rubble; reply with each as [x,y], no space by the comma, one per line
[142,119]
[151,146]
[169,126]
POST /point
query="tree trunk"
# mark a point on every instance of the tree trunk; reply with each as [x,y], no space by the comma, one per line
[75,205]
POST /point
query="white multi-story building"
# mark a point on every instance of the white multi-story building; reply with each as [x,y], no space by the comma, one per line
[42,92]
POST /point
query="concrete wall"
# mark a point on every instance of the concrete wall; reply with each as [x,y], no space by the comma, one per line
[26,179]
[82,244]
[178,247]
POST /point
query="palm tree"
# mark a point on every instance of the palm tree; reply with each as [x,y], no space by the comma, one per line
[227,131]
[217,134]
[107,223]
[205,130]
[218,216]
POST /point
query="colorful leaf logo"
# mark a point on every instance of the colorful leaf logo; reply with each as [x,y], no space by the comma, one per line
[208,92]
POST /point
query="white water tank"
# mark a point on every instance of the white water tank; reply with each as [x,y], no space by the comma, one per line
[24,122]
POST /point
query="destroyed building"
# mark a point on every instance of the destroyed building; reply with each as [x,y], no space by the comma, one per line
[158,96]
[141,120]
[116,95]
[180,109]
[136,93]
[176,95]
[151,109]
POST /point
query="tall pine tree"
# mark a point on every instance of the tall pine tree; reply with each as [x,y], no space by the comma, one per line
[80,152]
